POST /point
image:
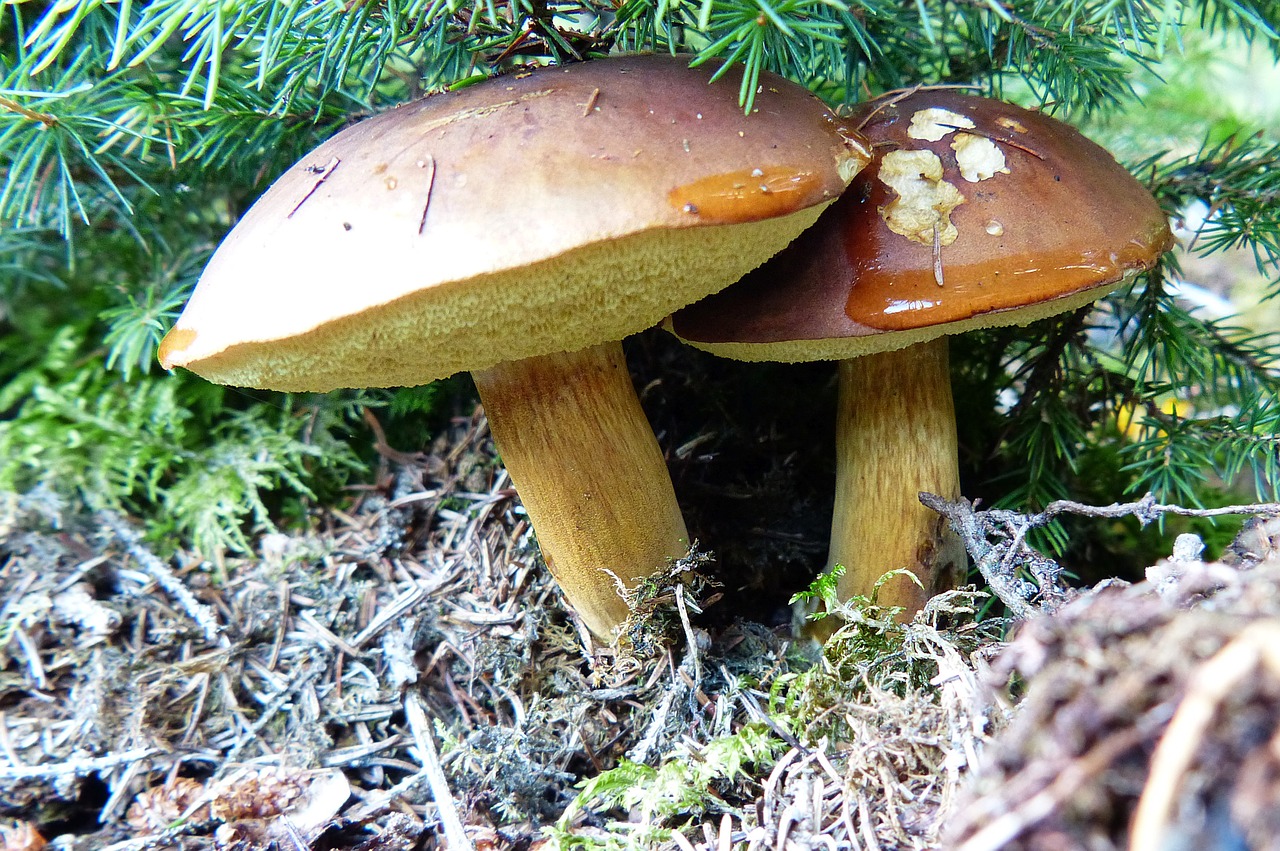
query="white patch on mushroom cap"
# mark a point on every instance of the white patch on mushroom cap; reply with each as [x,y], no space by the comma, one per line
[924,201]
[933,123]
[1011,123]
[978,157]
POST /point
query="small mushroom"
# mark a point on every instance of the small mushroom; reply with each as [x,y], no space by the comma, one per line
[973,214]
[519,229]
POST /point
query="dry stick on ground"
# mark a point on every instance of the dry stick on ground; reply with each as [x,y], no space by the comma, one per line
[416,714]
[679,688]
[1147,510]
[999,562]
[160,572]
[75,766]
[689,636]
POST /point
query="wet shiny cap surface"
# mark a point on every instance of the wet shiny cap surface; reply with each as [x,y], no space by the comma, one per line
[973,212]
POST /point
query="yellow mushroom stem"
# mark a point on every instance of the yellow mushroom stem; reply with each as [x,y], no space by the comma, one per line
[895,437]
[588,469]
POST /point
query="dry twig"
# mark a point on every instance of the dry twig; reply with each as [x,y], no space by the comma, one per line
[87,765]
[1001,561]
[164,577]
[416,715]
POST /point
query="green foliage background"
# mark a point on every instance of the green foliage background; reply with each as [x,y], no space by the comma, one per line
[133,134]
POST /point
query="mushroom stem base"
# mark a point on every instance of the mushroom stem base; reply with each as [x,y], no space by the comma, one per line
[895,437]
[589,472]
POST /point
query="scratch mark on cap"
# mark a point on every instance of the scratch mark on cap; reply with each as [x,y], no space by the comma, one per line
[324,171]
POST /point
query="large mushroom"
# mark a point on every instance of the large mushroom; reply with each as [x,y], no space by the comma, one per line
[518,229]
[973,214]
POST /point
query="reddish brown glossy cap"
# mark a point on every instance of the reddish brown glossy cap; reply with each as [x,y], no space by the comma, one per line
[973,213]
[529,214]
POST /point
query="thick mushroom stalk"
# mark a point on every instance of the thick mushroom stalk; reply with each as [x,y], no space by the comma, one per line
[895,436]
[589,472]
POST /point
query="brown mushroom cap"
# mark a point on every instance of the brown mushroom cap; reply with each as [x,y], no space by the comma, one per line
[528,214]
[1032,219]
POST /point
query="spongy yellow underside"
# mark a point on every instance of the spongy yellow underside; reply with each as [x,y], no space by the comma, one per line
[841,348]
[597,293]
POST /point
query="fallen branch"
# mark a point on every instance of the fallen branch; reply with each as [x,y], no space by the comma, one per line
[996,541]
[999,562]
[74,766]
[1147,510]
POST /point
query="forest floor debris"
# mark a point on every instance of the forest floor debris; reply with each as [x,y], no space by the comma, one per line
[406,676]
[1148,715]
